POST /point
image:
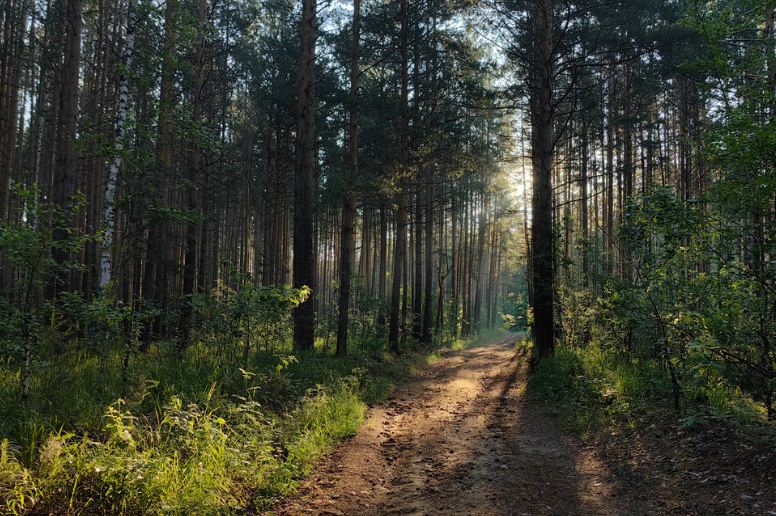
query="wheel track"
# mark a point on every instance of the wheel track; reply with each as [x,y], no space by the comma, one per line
[460,438]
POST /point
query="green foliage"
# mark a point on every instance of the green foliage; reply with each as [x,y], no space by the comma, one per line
[707,312]
[682,310]
[515,312]
[17,487]
[174,431]
[27,247]
[223,452]
[690,312]
[206,456]
[363,320]
[254,317]
[32,309]
[590,388]
[577,317]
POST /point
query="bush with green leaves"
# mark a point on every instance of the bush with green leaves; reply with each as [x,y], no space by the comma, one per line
[250,317]
[694,302]
[577,316]
[363,320]
[33,311]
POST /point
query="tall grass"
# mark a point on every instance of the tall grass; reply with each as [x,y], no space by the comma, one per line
[180,433]
[590,388]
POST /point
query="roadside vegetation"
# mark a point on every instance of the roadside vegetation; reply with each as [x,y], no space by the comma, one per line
[230,423]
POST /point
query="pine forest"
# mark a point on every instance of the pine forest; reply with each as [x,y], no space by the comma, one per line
[387,256]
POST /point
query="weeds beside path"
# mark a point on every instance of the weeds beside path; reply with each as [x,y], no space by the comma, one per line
[208,436]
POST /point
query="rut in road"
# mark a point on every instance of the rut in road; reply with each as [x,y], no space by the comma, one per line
[461,438]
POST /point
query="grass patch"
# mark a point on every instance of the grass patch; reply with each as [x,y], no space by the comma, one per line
[184,433]
[589,389]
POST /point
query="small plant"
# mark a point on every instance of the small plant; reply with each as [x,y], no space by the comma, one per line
[27,308]
[18,490]
[254,317]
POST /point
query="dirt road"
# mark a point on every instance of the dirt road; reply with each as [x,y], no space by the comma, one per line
[461,438]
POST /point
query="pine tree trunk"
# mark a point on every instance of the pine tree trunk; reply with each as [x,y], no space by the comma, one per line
[304,254]
[417,286]
[401,212]
[194,159]
[155,262]
[349,199]
[65,169]
[454,284]
[584,212]
[542,157]
[609,206]
[383,268]
[429,262]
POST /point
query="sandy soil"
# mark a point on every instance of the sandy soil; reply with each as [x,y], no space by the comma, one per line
[462,438]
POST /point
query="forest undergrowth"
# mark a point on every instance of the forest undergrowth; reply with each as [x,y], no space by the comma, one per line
[592,389]
[719,445]
[189,431]
[225,225]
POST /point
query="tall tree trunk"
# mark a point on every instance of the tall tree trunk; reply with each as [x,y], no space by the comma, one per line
[428,285]
[304,254]
[477,268]
[65,169]
[583,208]
[417,284]
[365,257]
[349,199]
[383,268]
[156,248]
[455,256]
[567,260]
[441,278]
[401,212]
[609,206]
[192,197]
[542,157]
[11,67]
[627,168]
[122,114]
[526,229]
[649,169]
[685,138]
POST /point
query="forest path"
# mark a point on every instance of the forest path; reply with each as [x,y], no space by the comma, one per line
[460,437]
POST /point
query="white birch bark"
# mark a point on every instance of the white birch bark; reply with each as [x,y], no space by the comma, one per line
[109,216]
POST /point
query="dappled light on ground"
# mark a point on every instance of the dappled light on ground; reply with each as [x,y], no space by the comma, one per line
[460,438]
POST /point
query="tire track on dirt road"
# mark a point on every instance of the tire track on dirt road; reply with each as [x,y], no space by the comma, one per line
[460,437]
